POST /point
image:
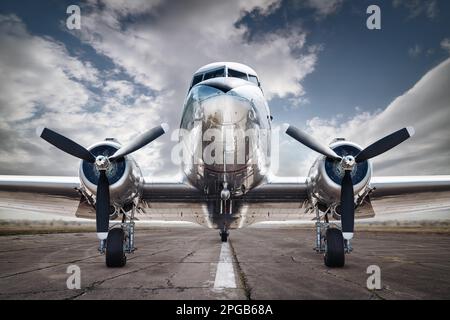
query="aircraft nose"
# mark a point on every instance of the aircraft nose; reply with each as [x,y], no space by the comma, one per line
[225,84]
[225,126]
[225,109]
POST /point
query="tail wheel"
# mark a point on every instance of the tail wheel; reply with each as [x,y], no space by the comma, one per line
[334,248]
[115,254]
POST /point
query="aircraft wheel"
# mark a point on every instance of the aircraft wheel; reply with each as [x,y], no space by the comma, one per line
[115,255]
[224,236]
[334,248]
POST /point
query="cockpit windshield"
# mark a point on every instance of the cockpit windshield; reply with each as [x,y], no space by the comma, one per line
[253,79]
[197,78]
[192,107]
[237,74]
[214,74]
[223,72]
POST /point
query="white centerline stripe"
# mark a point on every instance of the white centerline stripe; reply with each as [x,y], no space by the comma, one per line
[225,271]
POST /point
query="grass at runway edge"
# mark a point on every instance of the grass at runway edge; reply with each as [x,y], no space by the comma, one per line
[49,227]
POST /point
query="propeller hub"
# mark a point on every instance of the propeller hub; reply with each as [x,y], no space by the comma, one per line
[102,162]
[348,162]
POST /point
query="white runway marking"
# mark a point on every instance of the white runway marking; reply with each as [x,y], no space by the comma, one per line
[225,272]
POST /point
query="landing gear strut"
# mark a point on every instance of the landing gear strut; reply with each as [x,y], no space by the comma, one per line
[226,208]
[224,235]
[120,240]
[330,242]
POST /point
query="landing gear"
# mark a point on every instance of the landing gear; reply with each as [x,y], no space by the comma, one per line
[330,242]
[120,240]
[226,209]
[334,256]
[115,253]
[224,235]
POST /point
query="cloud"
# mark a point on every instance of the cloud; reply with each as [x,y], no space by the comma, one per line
[121,88]
[445,44]
[416,8]
[162,53]
[426,106]
[43,85]
[155,48]
[36,71]
[163,45]
[415,51]
[325,7]
[126,8]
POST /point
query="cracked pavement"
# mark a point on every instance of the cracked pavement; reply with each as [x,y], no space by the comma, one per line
[269,263]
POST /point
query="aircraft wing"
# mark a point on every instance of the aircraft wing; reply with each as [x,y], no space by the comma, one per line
[286,198]
[400,185]
[52,185]
[58,197]
[277,199]
[411,197]
[279,189]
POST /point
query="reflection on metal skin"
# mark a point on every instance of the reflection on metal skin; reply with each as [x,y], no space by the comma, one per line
[226,136]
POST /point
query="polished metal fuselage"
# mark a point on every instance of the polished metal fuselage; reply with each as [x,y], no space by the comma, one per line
[225,136]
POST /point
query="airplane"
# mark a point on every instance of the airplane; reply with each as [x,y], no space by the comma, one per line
[224,136]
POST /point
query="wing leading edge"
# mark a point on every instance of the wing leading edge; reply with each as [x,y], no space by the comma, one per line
[287,198]
[277,199]
[168,201]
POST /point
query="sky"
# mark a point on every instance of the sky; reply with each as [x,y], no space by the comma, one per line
[129,66]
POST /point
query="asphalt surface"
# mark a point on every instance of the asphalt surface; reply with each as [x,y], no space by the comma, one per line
[191,263]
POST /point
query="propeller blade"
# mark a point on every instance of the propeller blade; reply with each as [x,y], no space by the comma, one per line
[385,144]
[140,141]
[347,205]
[66,145]
[311,142]
[102,205]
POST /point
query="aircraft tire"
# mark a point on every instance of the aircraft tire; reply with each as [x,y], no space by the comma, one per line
[115,254]
[334,255]
[224,236]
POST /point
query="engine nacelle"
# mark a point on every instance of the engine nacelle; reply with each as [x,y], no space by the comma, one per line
[124,176]
[325,176]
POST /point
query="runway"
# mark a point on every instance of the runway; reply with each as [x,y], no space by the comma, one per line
[258,263]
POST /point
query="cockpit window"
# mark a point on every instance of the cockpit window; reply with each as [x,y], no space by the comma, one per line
[221,73]
[253,79]
[197,78]
[237,74]
[192,106]
[215,74]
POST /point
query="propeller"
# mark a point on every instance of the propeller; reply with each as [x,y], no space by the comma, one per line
[102,204]
[385,144]
[347,205]
[67,145]
[311,142]
[102,163]
[347,163]
[140,141]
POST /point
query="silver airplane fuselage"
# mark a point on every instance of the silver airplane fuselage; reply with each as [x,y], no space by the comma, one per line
[225,136]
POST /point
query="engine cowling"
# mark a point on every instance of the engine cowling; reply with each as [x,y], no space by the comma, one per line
[325,175]
[124,175]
